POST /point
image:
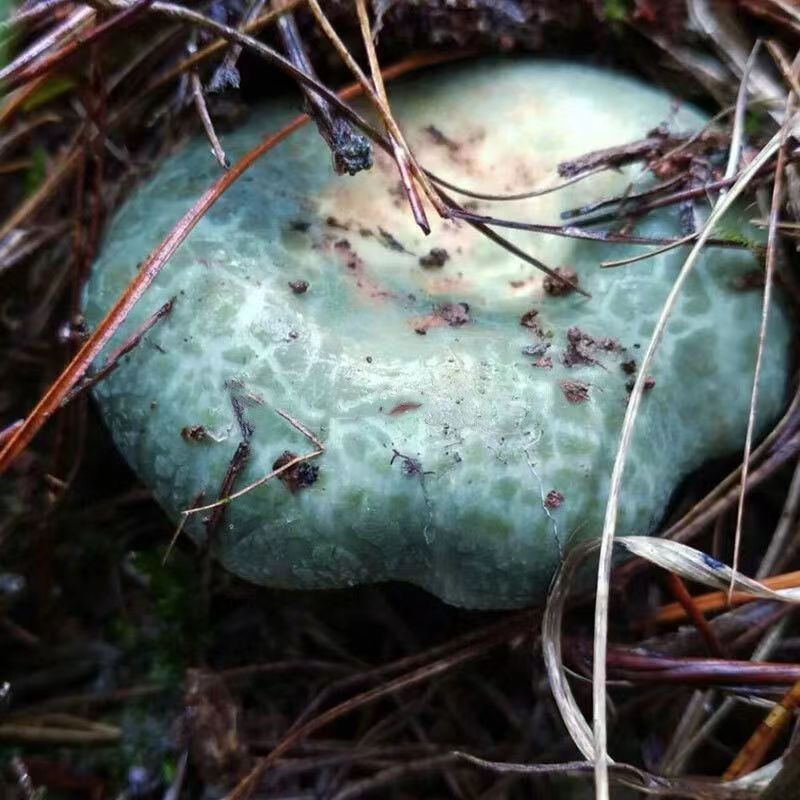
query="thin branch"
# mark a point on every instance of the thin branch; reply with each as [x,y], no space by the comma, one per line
[531,193]
[22,75]
[227,497]
[351,150]
[227,74]
[401,155]
[205,118]
[72,25]
[600,731]
[769,279]
[381,106]
[622,262]
[113,361]
[574,232]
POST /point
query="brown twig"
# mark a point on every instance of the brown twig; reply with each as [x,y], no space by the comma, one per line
[769,279]
[686,601]
[351,150]
[638,667]
[229,496]
[718,601]
[495,637]
[113,360]
[382,107]
[47,65]
[401,155]
[205,118]
[757,746]
[227,74]
[71,26]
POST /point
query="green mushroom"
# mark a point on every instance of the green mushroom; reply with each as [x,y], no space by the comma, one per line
[469,407]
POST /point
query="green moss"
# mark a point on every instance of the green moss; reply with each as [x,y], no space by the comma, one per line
[616,10]
[178,633]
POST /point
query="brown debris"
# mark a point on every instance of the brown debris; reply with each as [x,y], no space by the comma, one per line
[580,347]
[657,143]
[530,320]
[392,242]
[194,433]
[544,363]
[352,259]
[609,345]
[439,138]
[628,367]
[298,477]
[332,222]
[453,314]
[211,728]
[752,279]
[298,287]
[557,288]
[554,499]
[402,408]
[649,383]
[366,285]
[411,467]
[575,391]
[437,257]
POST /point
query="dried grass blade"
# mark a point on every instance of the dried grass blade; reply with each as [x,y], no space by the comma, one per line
[600,736]
[769,280]
[205,118]
[73,24]
[380,105]
[680,559]
[15,78]
[401,156]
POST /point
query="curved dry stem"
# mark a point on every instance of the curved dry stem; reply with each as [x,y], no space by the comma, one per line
[600,737]
[680,559]
[769,280]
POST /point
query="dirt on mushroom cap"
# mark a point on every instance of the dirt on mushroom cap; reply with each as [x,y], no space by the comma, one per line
[467,522]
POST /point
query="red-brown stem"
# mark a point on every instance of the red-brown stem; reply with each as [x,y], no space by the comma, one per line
[678,588]
[47,65]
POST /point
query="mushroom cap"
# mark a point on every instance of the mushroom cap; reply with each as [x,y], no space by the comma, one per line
[468,441]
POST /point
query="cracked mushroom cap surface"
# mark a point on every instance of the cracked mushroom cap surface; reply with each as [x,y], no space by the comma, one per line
[470,408]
